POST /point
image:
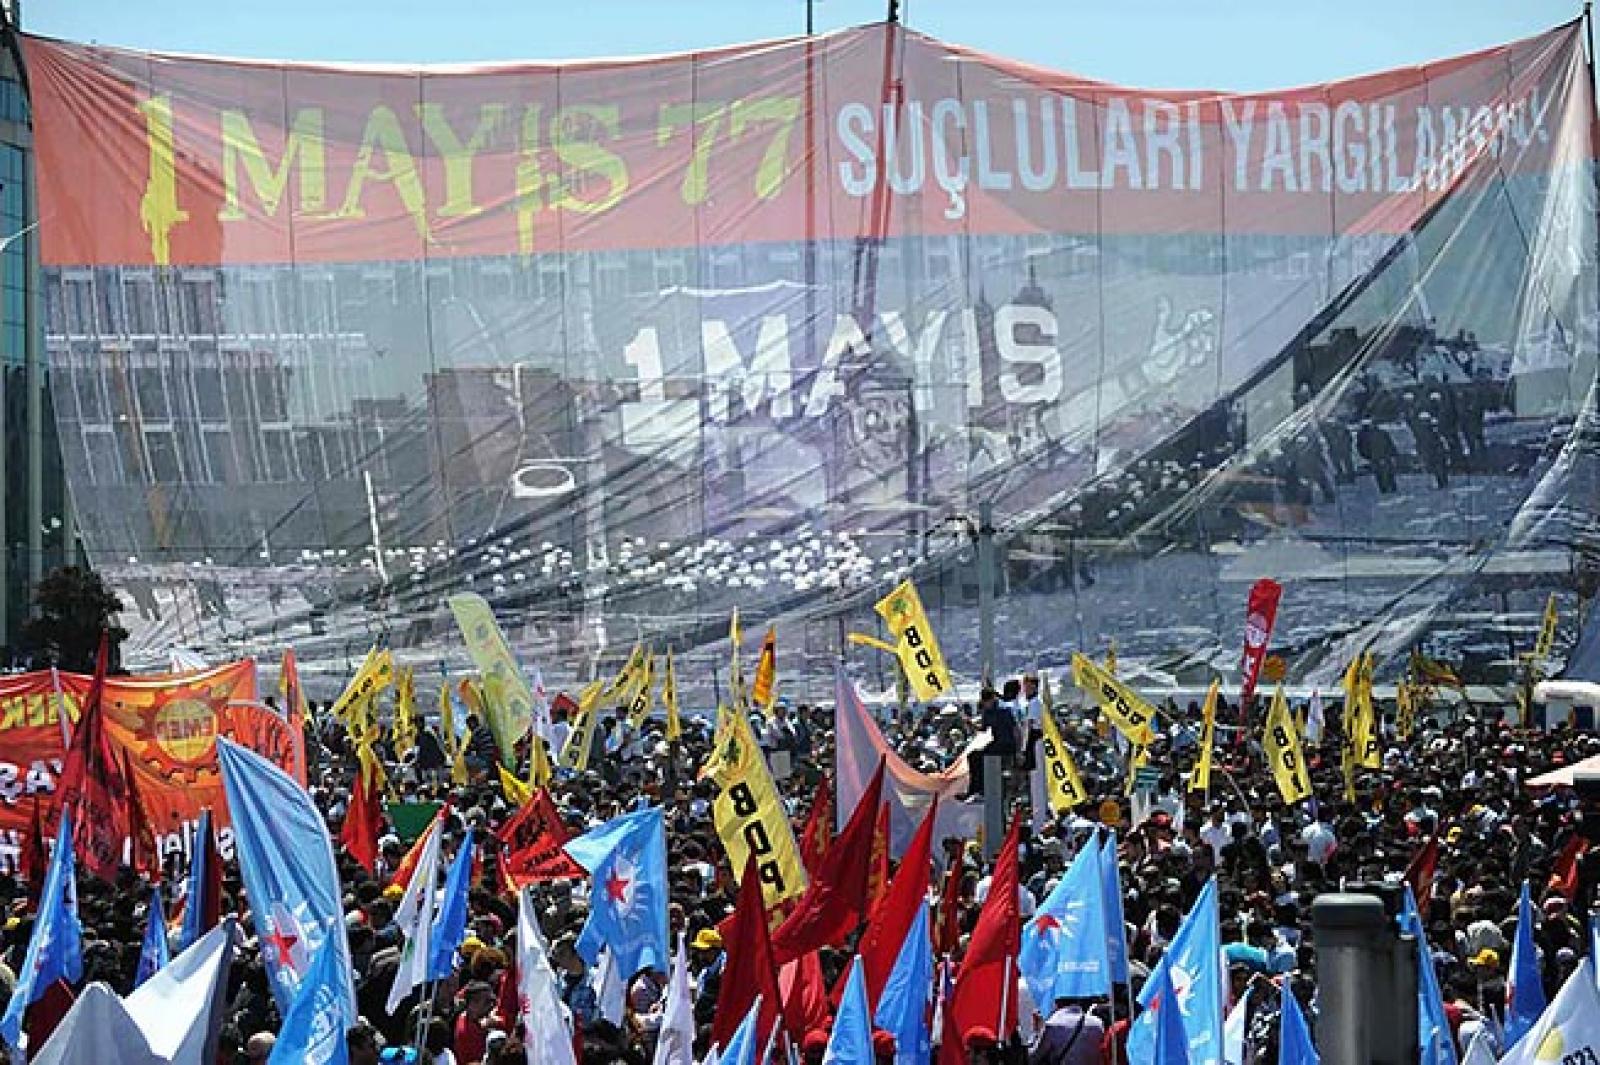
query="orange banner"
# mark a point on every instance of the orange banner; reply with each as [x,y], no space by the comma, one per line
[877,132]
[167,723]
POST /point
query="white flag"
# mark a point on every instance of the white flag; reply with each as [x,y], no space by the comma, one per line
[415,918]
[1233,1030]
[610,988]
[1316,719]
[1481,1050]
[1569,1026]
[546,1024]
[675,1041]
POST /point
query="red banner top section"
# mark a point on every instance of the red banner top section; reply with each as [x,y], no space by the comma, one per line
[874,132]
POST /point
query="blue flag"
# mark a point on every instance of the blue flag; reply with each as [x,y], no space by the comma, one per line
[903,1005]
[627,860]
[313,1031]
[154,952]
[1165,1010]
[1116,932]
[850,1042]
[741,1048]
[1064,946]
[450,925]
[1433,1026]
[55,950]
[286,860]
[1294,1037]
[194,910]
[1192,965]
[1525,990]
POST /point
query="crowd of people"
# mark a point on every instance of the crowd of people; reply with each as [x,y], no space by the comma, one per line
[1457,782]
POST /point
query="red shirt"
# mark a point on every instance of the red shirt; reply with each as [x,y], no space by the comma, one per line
[471,1040]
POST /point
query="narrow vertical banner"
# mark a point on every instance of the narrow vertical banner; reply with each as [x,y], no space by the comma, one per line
[1281,743]
[511,714]
[763,689]
[916,646]
[1261,611]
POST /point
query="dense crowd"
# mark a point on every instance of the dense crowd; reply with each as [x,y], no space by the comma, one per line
[1459,778]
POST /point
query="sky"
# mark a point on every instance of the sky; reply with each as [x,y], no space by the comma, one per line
[1243,45]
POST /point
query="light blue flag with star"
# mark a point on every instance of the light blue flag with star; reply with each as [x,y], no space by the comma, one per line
[1116,933]
[850,1042]
[1064,945]
[313,1031]
[154,952]
[1294,1035]
[903,1004]
[1525,999]
[1192,967]
[55,950]
[450,924]
[627,860]
[1433,1027]
[1165,1011]
[286,861]
[741,1048]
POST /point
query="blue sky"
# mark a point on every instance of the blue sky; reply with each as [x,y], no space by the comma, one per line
[1223,44]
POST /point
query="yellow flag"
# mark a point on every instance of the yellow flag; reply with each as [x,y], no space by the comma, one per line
[405,711]
[1547,631]
[1281,742]
[510,712]
[1111,658]
[1200,776]
[763,688]
[1405,709]
[455,747]
[669,699]
[625,683]
[1137,759]
[642,696]
[916,646]
[1132,716]
[735,670]
[516,792]
[376,673]
[575,755]
[748,812]
[1062,782]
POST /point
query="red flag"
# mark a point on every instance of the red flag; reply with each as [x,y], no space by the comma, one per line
[986,995]
[508,1005]
[92,777]
[748,970]
[363,821]
[533,839]
[144,853]
[36,856]
[210,901]
[1564,874]
[886,932]
[805,997]
[814,840]
[836,899]
[878,863]
[294,710]
[1419,873]
[947,931]
[1260,611]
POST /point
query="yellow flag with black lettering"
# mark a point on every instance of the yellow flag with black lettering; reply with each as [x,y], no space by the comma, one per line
[575,755]
[642,698]
[625,684]
[1121,705]
[1200,776]
[1064,787]
[915,645]
[454,746]
[748,812]
[669,700]
[376,673]
[763,688]
[405,711]
[1281,742]
[539,772]
[1547,630]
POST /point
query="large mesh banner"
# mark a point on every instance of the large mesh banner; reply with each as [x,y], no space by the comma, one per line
[623,344]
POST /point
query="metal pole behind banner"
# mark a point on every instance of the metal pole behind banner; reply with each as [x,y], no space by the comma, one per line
[985,534]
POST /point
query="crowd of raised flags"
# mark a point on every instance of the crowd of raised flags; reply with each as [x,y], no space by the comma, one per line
[913,982]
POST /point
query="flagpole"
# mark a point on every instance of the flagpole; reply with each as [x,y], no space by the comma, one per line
[427,1018]
[1005,997]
